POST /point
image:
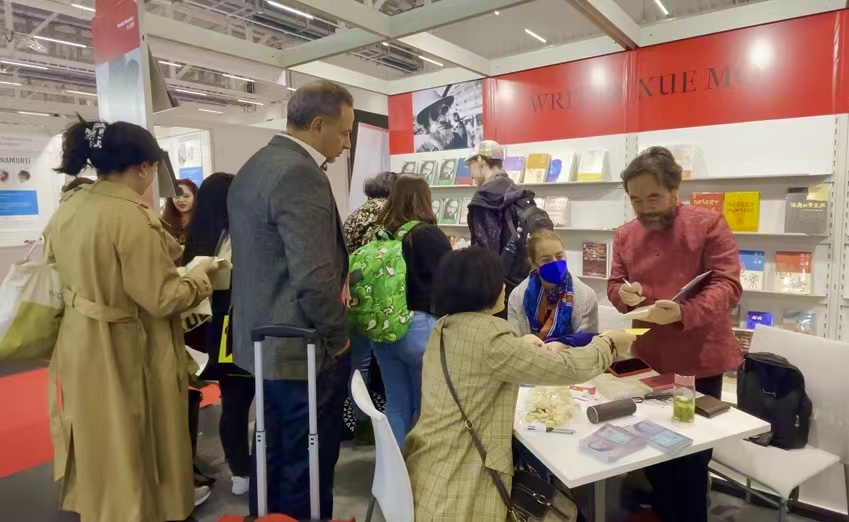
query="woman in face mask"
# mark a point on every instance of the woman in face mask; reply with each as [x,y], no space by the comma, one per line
[551,304]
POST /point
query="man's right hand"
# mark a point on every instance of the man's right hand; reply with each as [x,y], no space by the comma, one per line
[621,339]
[631,295]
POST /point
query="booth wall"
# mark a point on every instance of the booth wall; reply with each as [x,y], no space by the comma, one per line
[765,108]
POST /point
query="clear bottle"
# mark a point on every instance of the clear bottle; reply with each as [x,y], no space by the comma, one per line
[684,398]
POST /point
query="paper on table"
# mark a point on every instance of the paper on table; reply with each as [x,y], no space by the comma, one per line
[643,311]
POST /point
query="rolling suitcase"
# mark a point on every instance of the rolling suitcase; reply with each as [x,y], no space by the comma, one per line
[258,335]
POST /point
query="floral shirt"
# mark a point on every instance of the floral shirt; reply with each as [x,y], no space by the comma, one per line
[360,224]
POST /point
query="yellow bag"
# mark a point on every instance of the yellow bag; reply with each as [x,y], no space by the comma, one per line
[31,308]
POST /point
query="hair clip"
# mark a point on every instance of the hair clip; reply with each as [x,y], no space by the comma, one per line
[94,135]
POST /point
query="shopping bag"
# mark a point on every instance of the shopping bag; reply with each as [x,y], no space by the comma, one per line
[31,307]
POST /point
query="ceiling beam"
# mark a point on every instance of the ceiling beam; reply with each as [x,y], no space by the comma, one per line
[611,19]
[445,13]
[353,13]
[431,45]
[734,18]
[340,42]
[57,7]
[342,75]
[556,54]
[446,76]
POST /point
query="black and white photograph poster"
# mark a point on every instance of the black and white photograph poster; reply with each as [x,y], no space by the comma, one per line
[449,117]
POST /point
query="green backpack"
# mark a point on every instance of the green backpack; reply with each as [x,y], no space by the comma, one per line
[378,306]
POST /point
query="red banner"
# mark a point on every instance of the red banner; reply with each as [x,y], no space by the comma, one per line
[115,29]
[790,69]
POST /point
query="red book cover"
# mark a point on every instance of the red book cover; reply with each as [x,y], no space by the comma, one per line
[709,200]
[793,272]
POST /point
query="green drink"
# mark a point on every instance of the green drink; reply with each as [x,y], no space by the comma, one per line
[683,408]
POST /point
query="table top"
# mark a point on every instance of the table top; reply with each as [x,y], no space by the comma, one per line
[560,452]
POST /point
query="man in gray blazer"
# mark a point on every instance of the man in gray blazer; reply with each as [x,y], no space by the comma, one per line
[290,266]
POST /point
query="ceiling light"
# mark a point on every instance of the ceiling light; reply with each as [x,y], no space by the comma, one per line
[496,13]
[81,93]
[238,78]
[292,89]
[384,44]
[538,37]
[11,83]
[290,9]
[170,64]
[185,91]
[434,62]
[63,42]
[661,7]
[251,102]
[19,64]
[32,113]
[84,8]
[210,111]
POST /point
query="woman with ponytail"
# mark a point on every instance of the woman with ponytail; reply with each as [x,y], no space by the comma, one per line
[118,377]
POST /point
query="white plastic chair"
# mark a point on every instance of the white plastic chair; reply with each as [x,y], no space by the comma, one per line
[823,362]
[391,487]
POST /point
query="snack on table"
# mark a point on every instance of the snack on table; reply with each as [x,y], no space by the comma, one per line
[550,406]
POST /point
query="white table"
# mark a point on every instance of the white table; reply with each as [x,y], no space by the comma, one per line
[561,455]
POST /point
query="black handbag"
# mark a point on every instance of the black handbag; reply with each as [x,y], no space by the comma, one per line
[531,497]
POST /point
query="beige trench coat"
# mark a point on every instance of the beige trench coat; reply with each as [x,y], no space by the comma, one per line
[487,362]
[119,420]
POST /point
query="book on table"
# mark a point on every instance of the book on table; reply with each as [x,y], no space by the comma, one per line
[537,167]
[806,210]
[660,438]
[793,272]
[752,264]
[514,166]
[742,211]
[685,292]
[610,443]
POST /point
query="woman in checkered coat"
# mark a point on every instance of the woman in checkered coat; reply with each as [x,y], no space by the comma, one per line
[486,361]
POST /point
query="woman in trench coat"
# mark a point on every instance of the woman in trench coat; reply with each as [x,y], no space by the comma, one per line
[118,375]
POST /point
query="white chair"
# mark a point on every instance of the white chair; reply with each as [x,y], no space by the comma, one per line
[391,487]
[823,362]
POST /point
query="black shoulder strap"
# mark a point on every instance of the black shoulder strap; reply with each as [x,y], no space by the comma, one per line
[499,485]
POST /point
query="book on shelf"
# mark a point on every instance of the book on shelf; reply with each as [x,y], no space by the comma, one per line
[806,210]
[685,155]
[592,166]
[755,318]
[596,259]
[540,202]
[447,171]
[742,211]
[427,171]
[558,210]
[536,170]
[561,168]
[514,166]
[709,200]
[793,272]
[752,263]
[450,212]
[744,339]
[436,205]
[464,174]
[734,316]
[464,211]
[802,322]
[410,167]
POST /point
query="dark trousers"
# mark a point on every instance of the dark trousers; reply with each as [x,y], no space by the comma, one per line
[237,394]
[680,486]
[287,429]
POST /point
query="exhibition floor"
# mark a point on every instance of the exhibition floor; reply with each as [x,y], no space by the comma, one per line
[30,494]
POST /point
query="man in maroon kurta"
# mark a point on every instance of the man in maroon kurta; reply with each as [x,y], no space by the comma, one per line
[658,253]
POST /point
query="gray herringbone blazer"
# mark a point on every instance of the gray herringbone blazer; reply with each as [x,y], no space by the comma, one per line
[289,258]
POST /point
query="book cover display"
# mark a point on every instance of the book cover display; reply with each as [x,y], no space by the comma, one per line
[710,200]
[596,260]
[410,167]
[744,339]
[514,166]
[561,169]
[685,155]
[806,210]
[755,318]
[464,174]
[752,269]
[537,168]
[436,205]
[802,322]
[447,171]
[464,211]
[793,272]
[450,212]
[427,171]
[592,166]
[742,211]
[559,211]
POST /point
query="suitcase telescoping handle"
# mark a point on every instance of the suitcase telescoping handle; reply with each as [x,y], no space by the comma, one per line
[285,331]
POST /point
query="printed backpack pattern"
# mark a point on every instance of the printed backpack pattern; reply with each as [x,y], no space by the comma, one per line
[378,306]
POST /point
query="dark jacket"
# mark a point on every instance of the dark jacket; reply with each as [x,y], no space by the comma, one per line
[487,211]
[423,249]
[289,257]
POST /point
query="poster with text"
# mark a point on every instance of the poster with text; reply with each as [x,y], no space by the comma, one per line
[449,117]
